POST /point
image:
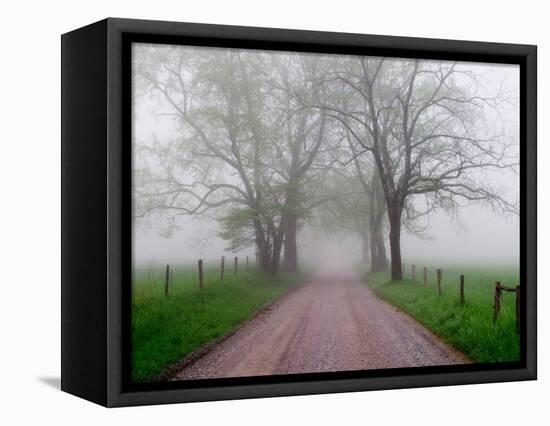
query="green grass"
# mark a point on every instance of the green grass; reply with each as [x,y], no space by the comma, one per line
[165,330]
[467,327]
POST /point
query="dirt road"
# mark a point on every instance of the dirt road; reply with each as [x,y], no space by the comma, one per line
[329,324]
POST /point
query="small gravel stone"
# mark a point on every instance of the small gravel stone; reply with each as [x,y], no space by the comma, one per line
[333,323]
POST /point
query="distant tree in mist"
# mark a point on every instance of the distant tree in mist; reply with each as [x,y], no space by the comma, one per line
[300,141]
[425,125]
[263,141]
[215,162]
[349,213]
[244,151]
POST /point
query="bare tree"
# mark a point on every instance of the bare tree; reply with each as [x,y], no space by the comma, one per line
[301,136]
[257,134]
[425,125]
[376,211]
[345,214]
[358,205]
[216,163]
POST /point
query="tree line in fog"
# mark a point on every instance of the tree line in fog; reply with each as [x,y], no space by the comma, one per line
[266,142]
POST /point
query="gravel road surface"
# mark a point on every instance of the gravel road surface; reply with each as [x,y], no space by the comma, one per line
[332,323]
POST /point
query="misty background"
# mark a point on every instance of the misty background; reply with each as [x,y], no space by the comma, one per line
[474,234]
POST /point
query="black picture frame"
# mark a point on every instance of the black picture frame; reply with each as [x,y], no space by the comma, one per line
[96,225]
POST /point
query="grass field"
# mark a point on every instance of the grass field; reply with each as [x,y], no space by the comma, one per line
[165,330]
[467,327]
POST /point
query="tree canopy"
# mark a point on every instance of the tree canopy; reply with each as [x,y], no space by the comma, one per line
[264,141]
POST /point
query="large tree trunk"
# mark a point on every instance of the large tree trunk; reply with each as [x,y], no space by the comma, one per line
[381,252]
[379,259]
[378,253]
[290,221]
[276,257]
[374,261]
[290,262]
[264,257]
[263,246]
[394,213]
[378,215]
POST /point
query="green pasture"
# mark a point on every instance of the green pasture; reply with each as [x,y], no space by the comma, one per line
[468,327]
[166,329]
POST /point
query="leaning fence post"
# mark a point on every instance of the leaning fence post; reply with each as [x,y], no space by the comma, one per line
[200,274]
[167,281]
[236,264]
[497,299]
[222,268]
[462,289]
[439,281]
[246,263]
[517,309]
[425,276]
[413,267]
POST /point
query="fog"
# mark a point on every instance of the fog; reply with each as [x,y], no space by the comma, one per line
[482,238]
[471,234]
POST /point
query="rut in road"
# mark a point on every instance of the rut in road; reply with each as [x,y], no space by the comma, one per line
[328,324]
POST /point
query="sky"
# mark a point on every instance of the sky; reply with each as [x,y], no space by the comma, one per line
[478,236]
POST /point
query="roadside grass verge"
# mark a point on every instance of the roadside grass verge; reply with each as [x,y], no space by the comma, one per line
[468,327]
[166,329]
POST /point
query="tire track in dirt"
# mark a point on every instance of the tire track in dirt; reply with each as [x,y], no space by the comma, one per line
[332,323]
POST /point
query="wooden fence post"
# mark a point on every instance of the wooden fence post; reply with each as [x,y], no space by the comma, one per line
[403,271]
[462,289]
[167,281]
[200,274]
[413,267]
[425,276]
[236,264]
[497,300]
[246,263]
[439,281]
[222,268]
[517,310]
[256,259]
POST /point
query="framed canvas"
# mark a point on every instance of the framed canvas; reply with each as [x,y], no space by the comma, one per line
[254,212]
